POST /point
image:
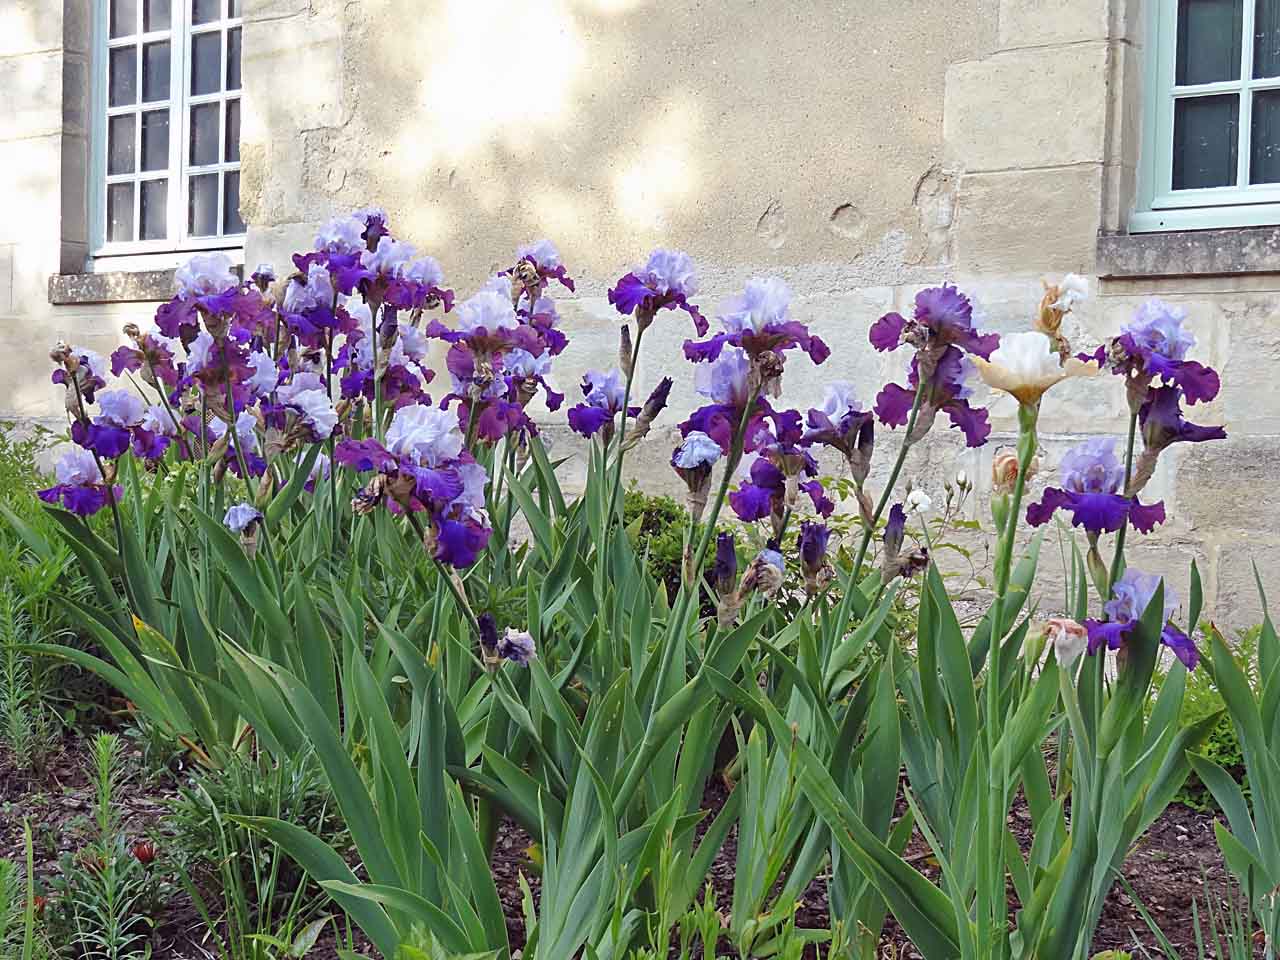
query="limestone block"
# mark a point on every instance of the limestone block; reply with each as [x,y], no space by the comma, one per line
[1029,220]
[1229,485]
[1027,23]
[1028,108]
[30,26]
[1252,355]
[1237,605]
[33,95]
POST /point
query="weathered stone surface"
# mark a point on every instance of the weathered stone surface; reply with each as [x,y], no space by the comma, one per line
[27,26]
[33,95]
[1026,23]
[1027,221]
[1200,252]
[1229,485]
[996,119]
[119,287]
[1237,604]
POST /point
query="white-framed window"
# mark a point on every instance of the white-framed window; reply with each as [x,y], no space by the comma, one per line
[1211,149]
[165,171]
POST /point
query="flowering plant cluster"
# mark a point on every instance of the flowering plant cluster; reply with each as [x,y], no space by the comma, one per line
[325,554]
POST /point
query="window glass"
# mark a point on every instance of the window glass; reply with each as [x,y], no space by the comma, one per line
[1209,33]
[1205,141]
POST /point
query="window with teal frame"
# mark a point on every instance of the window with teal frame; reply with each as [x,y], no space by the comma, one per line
[1211,150]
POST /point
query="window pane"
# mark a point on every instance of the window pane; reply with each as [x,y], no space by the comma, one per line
[1209,33]
[124,18]
[120,211]
[1266,38]
[202,205]
[206,11]
[233,59]
[155,140]
[1204,141]
[232,153]
[1264,138]
[155,71]
[155,15]
[204,134]
[231,222]
[233,8]
[154,214]
[206,62]
[124,76]
[120,134]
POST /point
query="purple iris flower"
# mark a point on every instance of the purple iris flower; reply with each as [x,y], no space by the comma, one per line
[1163,424]
[90,374]
[488,325]
[840,423]
[814,538]
[1155,344]
[758,320]
[604,391]
[726,382]
[724,571]
[946,391]
[943,315]
[153,354]
[516,646]
[424,468]
[665,282]
[1130,597]
[543,256]
[1092,480]
[80,487]
[239,517]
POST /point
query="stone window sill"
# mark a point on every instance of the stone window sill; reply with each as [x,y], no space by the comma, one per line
[1189,253]
[141,286]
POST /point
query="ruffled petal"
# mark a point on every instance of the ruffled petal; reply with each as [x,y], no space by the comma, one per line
[588,420]
[704,351]
[974,424]
[750,502]
[893,404]
[1109,634]
[1182,646]
[886,333]
[1145,517]
[1052,499]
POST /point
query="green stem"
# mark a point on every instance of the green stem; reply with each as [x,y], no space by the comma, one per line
[622,432]
[996,795]
[851,584]
[1117,560]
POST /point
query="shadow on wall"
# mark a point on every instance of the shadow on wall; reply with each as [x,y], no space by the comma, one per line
[747,133]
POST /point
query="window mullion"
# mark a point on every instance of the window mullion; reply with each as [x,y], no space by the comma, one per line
[183,10]
[1244,136]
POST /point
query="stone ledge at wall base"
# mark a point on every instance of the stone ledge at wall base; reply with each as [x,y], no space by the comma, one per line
[1189,253]
[120,286]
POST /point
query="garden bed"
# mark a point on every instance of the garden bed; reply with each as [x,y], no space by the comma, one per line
[1175,863]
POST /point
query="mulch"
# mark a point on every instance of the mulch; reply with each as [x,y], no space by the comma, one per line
[1176,863]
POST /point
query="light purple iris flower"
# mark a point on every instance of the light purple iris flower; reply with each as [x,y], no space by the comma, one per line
[665,282]
[1130,597]
[80,487]
[841,423]
[1092,492]
[1155,344]
[425,446]
[759,321]
[605,391]
[725,381]
[545,258]
[239,517]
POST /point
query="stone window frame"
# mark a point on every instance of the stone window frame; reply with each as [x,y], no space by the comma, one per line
[1155,209]
[85,277]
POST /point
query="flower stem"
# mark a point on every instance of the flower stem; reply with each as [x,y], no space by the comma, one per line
[996,794]
[622,432]
[851,584]
[1117,560]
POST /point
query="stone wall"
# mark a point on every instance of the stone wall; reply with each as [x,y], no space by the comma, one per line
[858,150]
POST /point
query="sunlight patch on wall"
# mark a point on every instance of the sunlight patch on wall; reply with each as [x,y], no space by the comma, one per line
[660,170]
[507,71]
